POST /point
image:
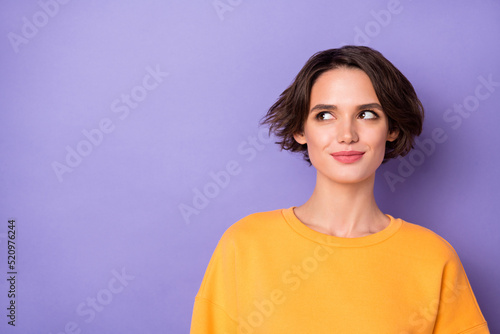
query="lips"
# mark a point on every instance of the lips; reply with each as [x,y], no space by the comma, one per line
[347,157]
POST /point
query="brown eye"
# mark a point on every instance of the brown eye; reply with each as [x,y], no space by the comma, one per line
[368,114]
[323,116]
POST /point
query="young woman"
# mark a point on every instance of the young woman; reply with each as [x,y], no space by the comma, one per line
[337,264]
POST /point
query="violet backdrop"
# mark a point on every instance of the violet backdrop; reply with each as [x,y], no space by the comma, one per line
[118,117]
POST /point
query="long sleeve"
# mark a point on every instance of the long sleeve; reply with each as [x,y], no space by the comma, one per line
[458,311]
[217,294]
[210,318]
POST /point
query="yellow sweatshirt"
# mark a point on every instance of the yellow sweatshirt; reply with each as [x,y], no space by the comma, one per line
[272,274]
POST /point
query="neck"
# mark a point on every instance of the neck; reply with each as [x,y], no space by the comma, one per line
[343,210]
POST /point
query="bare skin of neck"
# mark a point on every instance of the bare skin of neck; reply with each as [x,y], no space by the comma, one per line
[343,210]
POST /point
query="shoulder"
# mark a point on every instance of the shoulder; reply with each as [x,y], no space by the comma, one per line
[426,242]
[257,220]
[254,227]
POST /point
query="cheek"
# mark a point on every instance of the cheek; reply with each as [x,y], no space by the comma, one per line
[377,140]
[317,144]
[319,140]
[378,135]
[380,151]
[381,141]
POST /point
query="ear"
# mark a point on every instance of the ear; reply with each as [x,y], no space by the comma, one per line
[391,136]
[300,138]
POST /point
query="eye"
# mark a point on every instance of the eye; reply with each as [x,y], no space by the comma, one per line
[368,114]
[323,116]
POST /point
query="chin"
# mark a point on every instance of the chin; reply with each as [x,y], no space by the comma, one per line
[350,177]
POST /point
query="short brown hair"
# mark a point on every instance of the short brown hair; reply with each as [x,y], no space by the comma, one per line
[394,91]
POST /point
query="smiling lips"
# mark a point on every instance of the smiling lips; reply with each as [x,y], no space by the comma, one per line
[347,157]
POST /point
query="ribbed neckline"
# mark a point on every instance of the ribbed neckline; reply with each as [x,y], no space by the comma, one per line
[331,240]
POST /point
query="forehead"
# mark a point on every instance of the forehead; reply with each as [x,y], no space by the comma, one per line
[343,86]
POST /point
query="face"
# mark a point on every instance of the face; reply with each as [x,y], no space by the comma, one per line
[346,129]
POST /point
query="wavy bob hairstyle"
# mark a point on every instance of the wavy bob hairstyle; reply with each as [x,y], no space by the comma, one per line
[394,91]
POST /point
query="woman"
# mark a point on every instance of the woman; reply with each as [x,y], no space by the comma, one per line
[337,264]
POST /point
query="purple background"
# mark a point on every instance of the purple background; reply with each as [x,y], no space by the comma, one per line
[119,208]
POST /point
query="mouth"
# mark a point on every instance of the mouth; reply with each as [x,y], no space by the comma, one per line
[347,157]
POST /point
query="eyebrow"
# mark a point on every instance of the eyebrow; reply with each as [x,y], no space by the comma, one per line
[334,107]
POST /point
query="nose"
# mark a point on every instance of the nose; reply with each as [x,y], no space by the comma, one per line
[347,132]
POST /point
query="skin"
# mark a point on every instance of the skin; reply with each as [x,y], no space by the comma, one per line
[345,115]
